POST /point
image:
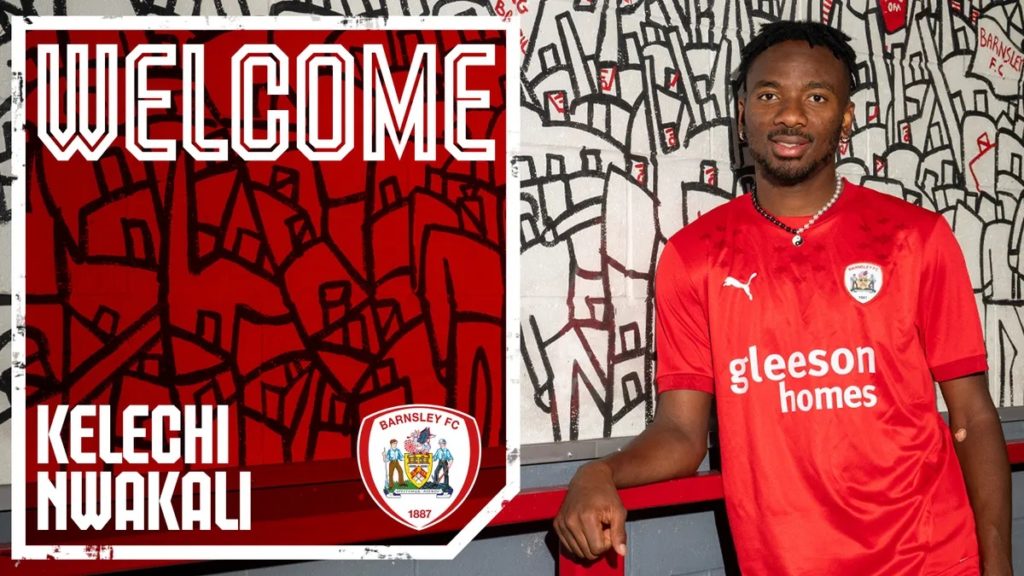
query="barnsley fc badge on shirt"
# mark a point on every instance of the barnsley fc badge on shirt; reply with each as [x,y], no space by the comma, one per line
[863,281]
[419,462]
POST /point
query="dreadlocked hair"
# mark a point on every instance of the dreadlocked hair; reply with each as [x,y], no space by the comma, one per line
[814,33]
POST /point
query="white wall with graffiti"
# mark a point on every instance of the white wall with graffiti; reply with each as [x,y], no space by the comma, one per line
[629,135]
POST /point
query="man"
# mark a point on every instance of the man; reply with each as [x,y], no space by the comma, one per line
[393,456]
[443,459]
[819,314]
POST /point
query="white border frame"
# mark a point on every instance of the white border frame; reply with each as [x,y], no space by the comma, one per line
[20,550]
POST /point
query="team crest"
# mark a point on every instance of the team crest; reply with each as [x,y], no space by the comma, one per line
[419,462]
[863,281]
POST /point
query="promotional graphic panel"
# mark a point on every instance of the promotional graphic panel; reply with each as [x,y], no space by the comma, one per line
[263,271]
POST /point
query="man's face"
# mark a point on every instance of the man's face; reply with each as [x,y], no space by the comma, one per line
[795,111]
[394,444]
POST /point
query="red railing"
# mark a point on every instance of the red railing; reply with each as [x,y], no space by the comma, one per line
[535,505]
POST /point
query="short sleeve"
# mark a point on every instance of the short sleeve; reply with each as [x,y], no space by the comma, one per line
[947,315]
[681,327]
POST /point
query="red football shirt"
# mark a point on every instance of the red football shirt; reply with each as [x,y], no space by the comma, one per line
[823,359]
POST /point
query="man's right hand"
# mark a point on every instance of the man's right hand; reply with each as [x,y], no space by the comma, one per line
[592,519]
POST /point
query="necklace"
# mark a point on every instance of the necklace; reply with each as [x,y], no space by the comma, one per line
[797,233]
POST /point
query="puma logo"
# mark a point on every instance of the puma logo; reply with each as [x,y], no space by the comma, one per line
[734,283]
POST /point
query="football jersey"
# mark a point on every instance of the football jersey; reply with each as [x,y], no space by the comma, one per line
[823,360]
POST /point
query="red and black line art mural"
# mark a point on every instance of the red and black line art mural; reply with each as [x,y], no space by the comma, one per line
[302,294]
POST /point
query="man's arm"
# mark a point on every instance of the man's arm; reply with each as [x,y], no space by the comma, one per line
[981,448]
[592,518]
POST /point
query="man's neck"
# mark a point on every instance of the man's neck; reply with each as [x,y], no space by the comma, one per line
[801,199]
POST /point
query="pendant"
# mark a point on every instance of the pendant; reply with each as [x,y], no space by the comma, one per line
[798,240]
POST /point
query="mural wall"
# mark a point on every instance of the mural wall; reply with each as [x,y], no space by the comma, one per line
[627,135]
[638,97]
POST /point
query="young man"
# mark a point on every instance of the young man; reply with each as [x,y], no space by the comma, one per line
[819,313]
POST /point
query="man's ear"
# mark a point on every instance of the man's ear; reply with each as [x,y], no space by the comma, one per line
[848,120]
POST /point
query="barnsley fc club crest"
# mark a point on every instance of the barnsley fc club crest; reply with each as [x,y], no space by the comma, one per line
[863,281]
[419,461]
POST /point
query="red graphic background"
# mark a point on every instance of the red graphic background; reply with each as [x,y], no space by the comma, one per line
[304,295]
